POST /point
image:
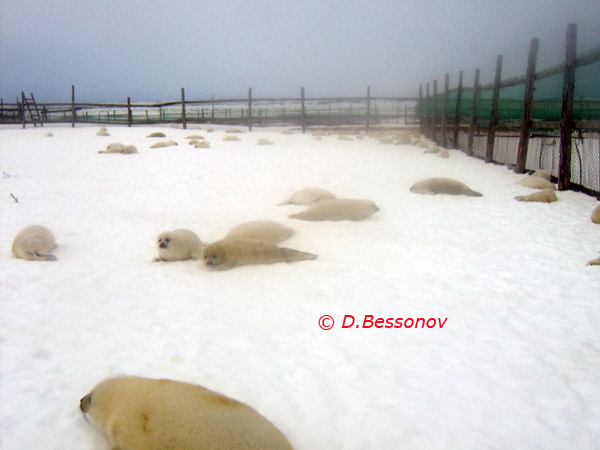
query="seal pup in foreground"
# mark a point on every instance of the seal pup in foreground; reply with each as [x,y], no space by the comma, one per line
[34,243]
[178,245]
[263,230]
[544,196]
[309,196]
[596,215]
[338,209]
[231,252]
[439,185]
[139,413]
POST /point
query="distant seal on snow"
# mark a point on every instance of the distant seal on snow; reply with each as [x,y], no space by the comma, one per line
[232,252]
[164,144]
[338,209]
[157,134]
[544,196]
[443,186]
[178,245]
[536,183]
[596,215]
[309,196]
[117,147]
[263,230]
[263,141]
[34,243]
[139,413]
[542,174]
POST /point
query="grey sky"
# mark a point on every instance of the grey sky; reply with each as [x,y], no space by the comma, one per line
[150,49]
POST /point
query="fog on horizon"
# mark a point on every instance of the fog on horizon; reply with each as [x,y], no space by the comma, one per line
[149,50]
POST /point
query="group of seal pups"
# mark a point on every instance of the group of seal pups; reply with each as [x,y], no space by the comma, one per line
[162,414]
[255,242]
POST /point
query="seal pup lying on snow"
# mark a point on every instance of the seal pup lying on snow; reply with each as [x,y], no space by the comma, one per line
[536,183]
[178,245]
[263,230]
[231,252]
[147,414]
[596,215]
[544,196]
[338,209]
[439,185]
[309,196]
[34,243]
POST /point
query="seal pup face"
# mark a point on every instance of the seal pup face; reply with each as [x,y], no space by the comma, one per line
[213,255]
[163,240]
[375,207]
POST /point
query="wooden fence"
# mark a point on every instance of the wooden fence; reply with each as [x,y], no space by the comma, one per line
[548,125]
[249,111]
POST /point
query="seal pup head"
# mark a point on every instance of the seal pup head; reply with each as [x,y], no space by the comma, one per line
[178,245]
[213,255]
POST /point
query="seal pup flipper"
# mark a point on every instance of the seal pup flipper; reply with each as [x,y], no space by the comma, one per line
[44,256]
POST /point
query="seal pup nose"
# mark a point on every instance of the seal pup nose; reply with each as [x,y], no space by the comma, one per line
[163,245]
[84,403]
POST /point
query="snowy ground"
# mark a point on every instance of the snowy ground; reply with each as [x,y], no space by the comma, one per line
[516,364]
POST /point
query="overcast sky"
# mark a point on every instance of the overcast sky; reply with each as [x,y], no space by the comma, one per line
[149,50]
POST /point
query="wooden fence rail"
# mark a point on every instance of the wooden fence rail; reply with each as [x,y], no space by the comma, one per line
[250,111]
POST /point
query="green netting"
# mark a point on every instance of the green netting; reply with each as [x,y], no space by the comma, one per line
[547,99]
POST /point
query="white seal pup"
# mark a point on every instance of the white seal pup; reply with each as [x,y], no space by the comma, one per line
[178,245]
[542,174]
[263,230]
[309,196]
[232,252]
[34,243]
[139,413]
[263,141]
[202,144]
[338,209]
[543,196]
[164,144]
[442,153]
[157,134]
[536,183]
[231,138]
[596,215]
[439,185]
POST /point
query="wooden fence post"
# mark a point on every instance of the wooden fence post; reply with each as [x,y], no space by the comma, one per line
[421,110]
[368,107]
[428,104]
[489,150]
[249,109]
[73,111]
[183,116]
[22,108]
[473,122]
[527,106]
[457,111]
[566,123]
[302,111]
[129,111]
[445,110]
[434,112]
